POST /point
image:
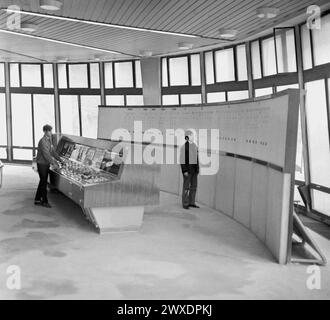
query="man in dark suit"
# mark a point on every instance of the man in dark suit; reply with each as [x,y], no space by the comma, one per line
[46,156]
[190,170]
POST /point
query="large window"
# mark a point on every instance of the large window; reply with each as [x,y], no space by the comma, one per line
[31,75]
[70,120]
[89,115]
[321,42]
[256,60]
[179,71]
[268,56]
[241,63]
[224,65]
[3,129]
[2,75]
[209,68]
[124,75]
[78,76]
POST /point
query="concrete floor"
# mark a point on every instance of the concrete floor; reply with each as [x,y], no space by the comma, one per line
[200,254]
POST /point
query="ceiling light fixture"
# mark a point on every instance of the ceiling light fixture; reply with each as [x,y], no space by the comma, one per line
[28,27]
[100,23]
[145,53]
[267,12]
[227,33]
[51,5]
[61,42]
[185,46]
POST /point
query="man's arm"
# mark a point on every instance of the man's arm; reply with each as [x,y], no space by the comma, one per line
[44,149]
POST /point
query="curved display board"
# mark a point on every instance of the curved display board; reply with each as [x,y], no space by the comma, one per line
[256,148]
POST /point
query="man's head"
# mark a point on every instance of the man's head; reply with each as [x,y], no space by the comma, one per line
[47,130]
[188,135]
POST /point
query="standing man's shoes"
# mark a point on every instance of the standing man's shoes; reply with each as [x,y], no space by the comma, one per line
[37,203]
[187,208]
[46,205]
[193,206]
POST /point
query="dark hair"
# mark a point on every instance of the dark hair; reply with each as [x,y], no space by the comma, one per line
[47,127]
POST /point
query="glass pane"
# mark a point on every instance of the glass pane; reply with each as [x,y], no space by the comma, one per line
[241,63]
[95,75]
[62,79]
[263,92]
[108,75]
[268,56]
[306,47]
[321,42]
[191,99]
[89,115]
[69,115]
[195,65]
[321,202]
[48,76]
[297,197]
[2,75]
[31,75]
[115,100]
[318,133]
[290,86]
[14,75]
[124,74]
[3,128]
[256,60]
[22,120]
[170,100]
[78,76]
[209,67]
[3,154]
[225,67]
[179,71]
[300,174]
[22,154]
[164,72]
[286,50]
[44,113]
[238,95]
[134,100]
[216,97]
[138,74]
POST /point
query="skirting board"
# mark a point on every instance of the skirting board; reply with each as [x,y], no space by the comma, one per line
[116,219]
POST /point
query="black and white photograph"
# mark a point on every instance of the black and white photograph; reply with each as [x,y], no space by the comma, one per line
[164,155]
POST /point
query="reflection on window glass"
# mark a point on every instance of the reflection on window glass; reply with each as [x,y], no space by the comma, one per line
[238,95]
[286,50]
[179,71]
[268,56]
[318,133]
[22,154]
[300,174]
[3,129]
[3,154]
[209,68]
[78,76]
[321,202]
[69,115]
[321,42]
[216,97]
[43,105]
[241,63]
[95,75]
[290,86]
[191,99]
[2,75]
[31,75]
[48,76]
[21,120]
[170,100]
[89,115]
[224,65]
[134,100]
[195,65]
[256,60]
[306,47]
[62,78]
[124,74]
[115,100]
[138,74]
[164,72]
[14,75]
[108,75]
[263,92]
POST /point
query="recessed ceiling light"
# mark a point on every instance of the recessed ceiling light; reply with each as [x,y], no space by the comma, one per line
[185,46]
[52,5]
[228,33]
[28,27]
[145,53]
[267,12]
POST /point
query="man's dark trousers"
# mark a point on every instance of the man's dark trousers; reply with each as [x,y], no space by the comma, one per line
[43,170]
[189,189]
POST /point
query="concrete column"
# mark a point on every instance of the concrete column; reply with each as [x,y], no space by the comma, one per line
[8,114]
[151,79]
